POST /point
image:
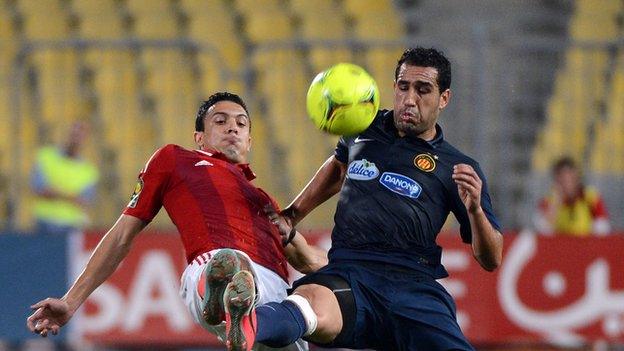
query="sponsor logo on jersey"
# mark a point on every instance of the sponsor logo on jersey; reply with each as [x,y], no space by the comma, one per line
[400,184]
[424,162]
[362,170]
[135,195]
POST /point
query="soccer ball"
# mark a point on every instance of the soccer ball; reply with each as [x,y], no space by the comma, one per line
[343,99]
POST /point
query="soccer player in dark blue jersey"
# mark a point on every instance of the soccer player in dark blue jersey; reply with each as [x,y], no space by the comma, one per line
[398,181]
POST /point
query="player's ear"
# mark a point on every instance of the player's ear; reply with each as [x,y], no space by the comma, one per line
[249,144]
[199,139]
[445,97]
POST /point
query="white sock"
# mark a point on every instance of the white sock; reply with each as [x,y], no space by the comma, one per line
[307,312]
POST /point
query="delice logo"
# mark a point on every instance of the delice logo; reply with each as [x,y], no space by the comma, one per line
[400,184]
[362,170]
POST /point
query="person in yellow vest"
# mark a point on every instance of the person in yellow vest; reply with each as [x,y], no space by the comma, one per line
[64,185]
[572,208]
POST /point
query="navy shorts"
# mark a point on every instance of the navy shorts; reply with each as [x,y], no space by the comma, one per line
[396,309]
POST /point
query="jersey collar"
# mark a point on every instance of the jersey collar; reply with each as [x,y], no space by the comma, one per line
[244,167]
[433,143]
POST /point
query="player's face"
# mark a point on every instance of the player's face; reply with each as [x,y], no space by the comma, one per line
[76,138]
[418,101]
[569,181]
[226,129]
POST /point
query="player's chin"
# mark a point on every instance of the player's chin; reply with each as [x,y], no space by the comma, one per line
[408,128]
[233,154]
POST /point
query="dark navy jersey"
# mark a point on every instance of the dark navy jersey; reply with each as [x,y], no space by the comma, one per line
[396,197]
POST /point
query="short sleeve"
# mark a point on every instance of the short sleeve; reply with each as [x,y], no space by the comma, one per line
[147,198]
[342,150]
[486,204]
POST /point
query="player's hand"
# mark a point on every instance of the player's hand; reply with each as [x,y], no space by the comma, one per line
[49,316]
[282,223]
[468,186]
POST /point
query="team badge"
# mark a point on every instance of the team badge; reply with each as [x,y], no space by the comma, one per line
[424,162]
[135,195]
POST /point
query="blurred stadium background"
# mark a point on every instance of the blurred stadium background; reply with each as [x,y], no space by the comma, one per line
[532,80]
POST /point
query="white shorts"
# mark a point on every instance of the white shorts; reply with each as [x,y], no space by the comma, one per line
[269,285]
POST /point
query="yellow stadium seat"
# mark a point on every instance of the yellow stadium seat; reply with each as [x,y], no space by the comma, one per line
[8,47]
[262,155]
[212,74]
[250,7]
[44,26]
[218,36]
[598,158]
[359,8]
[149,7]
[155,26]
[7,29]
[601,7]
[268,26]
[101,26]
[28,139]
[29,7]
[94,7]
[284,88]
[607,150]
[313,8]
[615,103]
[116,84]
[162,67]
[175,120]
[379,27]
[58,87]
[323,26]
[321,58]
[594,28]
[381,64]
[199,7]
[267,59]
[6,133]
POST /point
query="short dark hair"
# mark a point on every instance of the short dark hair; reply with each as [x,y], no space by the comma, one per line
[562,163]
[213,99]
[427,57]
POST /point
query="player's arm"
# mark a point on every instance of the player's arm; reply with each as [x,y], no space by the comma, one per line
[326,183]
[487,242]
[51,314]
[304,257]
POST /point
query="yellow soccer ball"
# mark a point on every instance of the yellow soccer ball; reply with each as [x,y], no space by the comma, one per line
[343,100]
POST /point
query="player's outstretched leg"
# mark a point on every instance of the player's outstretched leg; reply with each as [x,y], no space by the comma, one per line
[240,318]
[219,272]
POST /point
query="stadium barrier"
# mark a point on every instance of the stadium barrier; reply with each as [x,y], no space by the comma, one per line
[549,290]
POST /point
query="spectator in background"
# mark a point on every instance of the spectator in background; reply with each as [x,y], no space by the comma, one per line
[571,208]
[64,185]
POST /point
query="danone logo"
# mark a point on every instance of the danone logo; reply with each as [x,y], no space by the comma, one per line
[362,170]
[400,184]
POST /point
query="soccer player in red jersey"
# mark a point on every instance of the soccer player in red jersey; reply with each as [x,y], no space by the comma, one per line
[227,225]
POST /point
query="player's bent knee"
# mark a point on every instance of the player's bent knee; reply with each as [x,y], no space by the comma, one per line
[327,311]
